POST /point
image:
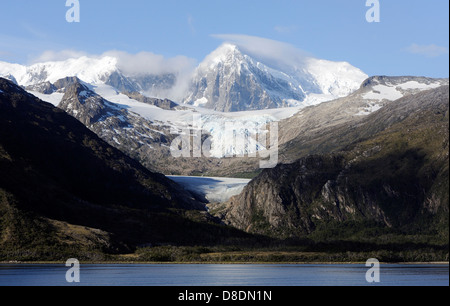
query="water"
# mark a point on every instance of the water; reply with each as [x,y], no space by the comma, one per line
[224,275]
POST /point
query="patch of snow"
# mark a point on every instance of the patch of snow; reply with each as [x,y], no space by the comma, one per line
[84,94]
[394,92]
[54,98]
[382,92]
[417,85]
[201,101]
[116,141]
[369,109]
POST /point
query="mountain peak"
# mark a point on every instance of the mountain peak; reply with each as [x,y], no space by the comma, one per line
[231,80]
[226,54]
[228,47]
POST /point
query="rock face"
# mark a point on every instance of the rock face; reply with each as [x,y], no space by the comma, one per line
[46,88]
[161,103]
[138,137]
[86,106]
[398,178]
[155,85]
[233,83]
[66,82]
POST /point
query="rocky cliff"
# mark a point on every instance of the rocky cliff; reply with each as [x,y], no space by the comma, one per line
[396,178]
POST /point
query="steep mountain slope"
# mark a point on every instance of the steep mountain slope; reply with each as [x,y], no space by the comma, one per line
[145,140]
[333,125]
[65,191]
[396,178]
[229,80]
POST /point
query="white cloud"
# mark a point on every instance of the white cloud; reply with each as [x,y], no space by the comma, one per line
[272,52]
[428,50]
[285,29]
[150,63]
[130,64]
[190,22]
[56,56]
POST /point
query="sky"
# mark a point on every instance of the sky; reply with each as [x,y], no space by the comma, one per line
[412,37]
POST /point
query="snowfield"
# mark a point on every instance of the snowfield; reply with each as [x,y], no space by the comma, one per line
[211,121]
[318,80]
[90,70]
[245,122]
[382,92]
[392,92]
[55,98]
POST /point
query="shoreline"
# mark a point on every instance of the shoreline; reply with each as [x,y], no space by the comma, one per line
[215,263]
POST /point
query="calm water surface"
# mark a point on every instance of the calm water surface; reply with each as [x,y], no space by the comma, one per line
[224,275]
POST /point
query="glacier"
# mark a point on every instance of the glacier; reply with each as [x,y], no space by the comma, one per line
[212,189]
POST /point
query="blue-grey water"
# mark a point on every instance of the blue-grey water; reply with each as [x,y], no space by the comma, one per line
[224,275]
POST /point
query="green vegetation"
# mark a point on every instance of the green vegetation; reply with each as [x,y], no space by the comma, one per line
[335,242]
[289,255]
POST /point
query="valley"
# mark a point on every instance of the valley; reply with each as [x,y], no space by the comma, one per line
[88,164]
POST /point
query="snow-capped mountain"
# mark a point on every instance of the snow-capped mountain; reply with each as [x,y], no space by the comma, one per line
[230,80]
[89,70]
[118,109]
[94,71]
